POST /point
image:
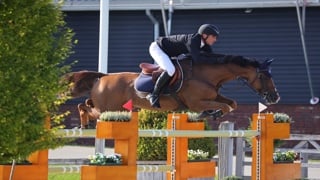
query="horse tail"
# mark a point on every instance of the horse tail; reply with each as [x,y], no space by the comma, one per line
[81,82]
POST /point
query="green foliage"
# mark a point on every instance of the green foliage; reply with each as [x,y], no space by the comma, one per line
[34,43]
[288,156]
[197,154]
[282,118]
[232,178]
[102,159]
[152,148]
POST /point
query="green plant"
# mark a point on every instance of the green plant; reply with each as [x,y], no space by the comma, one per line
[152,148]
[287,156]
[101,159]
[193,117]
[197,154]
[120,116]
[34,45]
[232,178]
[282,118]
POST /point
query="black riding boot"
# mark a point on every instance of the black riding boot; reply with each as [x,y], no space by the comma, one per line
[161,82]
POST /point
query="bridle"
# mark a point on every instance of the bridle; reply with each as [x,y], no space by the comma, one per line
[263,74]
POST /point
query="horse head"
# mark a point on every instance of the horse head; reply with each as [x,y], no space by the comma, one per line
[264,84]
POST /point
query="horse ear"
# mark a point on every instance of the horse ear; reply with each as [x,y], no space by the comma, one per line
[267,62]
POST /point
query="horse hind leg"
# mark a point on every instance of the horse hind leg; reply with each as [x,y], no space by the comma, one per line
[89,103]
[87,113]
[84,118]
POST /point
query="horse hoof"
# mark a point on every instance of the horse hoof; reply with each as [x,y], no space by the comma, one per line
[203,115]
[218,113]
[210,115]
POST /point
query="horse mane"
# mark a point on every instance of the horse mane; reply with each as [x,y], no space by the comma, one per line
[216,59]
[82,75]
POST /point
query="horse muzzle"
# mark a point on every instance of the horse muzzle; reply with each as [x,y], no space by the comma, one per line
[272,97]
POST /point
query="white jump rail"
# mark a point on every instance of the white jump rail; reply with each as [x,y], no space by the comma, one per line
[167,133]
[140,168]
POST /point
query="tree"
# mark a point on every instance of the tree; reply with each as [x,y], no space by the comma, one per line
[34,44]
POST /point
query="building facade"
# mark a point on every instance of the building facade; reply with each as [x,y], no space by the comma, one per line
[260,29]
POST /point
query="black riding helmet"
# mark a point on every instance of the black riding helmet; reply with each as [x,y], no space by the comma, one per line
[208,29]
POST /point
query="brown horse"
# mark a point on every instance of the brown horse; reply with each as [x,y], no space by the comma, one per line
[199,89]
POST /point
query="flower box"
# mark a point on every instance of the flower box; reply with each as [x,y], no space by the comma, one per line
[281,171]
[112,130]
[117,129]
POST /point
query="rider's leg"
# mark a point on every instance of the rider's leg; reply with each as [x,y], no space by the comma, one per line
[163,60]
[160,84]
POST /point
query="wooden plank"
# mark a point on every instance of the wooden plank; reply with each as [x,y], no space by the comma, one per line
[306,137]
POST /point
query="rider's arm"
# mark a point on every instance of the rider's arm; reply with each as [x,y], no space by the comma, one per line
[194,46]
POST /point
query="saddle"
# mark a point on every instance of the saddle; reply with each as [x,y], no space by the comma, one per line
[145,82]
[154,70]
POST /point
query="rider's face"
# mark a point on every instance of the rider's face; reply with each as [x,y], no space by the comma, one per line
[211,40]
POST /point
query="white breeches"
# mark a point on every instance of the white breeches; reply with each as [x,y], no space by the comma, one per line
[161,58]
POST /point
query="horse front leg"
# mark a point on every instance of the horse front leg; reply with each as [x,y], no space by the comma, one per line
[233,104]
[214,110]
[207,100]
[214,114]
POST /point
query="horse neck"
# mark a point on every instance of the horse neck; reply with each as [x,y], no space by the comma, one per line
[218,74]
[247,72]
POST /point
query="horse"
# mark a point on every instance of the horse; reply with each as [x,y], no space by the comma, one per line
[198,88]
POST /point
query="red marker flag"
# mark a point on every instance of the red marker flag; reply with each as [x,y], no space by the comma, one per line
[128,105]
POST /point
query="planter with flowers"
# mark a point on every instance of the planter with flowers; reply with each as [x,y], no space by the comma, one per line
[274,127]
[285,157]
[123,128]
[184,168]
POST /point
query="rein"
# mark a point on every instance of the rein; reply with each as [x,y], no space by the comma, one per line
[246,83]
[263,84]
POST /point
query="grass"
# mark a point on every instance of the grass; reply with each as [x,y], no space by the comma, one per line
[64,176]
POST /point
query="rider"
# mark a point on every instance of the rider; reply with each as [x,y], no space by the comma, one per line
[164,48]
